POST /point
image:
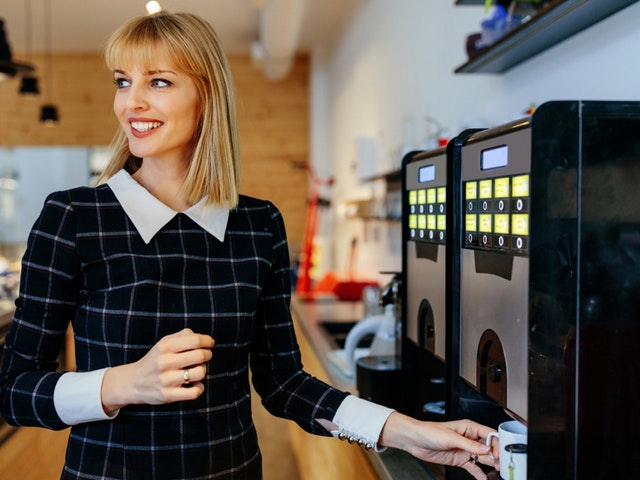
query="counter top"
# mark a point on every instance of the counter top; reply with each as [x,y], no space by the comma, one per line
[310,313]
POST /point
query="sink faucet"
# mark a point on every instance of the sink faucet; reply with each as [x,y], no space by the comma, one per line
[390,294]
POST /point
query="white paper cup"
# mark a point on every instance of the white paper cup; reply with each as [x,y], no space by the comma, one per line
[512,438]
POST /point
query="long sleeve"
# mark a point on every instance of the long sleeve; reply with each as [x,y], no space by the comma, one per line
[44,308]
[286,390]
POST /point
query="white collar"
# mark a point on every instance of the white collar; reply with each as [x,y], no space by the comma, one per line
[149,214]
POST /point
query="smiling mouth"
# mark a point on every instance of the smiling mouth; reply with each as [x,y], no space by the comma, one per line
[145,126]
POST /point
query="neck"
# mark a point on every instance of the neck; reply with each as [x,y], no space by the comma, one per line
[163,183]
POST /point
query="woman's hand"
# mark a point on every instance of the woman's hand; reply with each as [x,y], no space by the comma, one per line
[457,443]
[159,377]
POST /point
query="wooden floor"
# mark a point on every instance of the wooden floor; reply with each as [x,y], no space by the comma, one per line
[38,454]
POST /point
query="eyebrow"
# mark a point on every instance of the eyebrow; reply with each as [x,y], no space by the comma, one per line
[149,72]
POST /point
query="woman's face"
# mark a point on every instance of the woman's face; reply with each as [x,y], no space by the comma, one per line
[157,109]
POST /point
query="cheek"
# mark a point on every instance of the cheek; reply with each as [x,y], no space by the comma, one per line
[118,106]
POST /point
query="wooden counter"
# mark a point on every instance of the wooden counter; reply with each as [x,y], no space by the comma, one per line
[320,458]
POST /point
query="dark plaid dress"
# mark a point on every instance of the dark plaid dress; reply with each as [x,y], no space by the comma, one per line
[86,263]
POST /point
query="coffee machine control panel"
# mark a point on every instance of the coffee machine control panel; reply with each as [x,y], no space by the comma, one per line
[497,208]
[427,204]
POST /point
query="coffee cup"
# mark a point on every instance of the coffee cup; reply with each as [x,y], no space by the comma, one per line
[512,441]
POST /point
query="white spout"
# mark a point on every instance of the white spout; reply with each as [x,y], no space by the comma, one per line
[366,326]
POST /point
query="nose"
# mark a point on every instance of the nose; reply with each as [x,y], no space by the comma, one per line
[136,98]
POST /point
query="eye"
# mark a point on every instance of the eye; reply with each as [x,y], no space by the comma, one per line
[121,82]
[161,83]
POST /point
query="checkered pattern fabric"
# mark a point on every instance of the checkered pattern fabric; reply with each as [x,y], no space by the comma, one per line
[86,263]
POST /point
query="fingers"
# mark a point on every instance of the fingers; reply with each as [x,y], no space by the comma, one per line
[474,470]
[181,362]
[191,375]
[184,349]
[472,436]
[185,339]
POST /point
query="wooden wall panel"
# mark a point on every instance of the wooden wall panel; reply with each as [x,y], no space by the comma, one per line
[273,122]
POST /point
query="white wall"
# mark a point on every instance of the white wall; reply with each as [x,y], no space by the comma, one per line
[396,62]
[38,171]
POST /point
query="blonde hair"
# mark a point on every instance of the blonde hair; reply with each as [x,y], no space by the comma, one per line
[193,48]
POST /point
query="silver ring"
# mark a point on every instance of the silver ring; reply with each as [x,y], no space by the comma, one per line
[185,376]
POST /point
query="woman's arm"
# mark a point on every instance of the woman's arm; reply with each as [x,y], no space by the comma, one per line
[45,306]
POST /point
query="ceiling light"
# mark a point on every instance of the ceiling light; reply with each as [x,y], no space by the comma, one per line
[153,7]
[49,115]
[9,68]
[49,112]
[29,86]
[29,83]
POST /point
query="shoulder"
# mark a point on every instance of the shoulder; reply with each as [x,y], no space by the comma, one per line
[258,215]
[79,197]
[256,207]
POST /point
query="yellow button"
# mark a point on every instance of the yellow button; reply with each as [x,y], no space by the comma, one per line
[471,190]
[471,222]
[442,194]
[484,223]
[422,197]
[486,188]
[501,186]
[413,197]
[520,186]
[442,222]
[501,223]
[431,195]
[422,221]
[520,224]
[413,221]
[431,222]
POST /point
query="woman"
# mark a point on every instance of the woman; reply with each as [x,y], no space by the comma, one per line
[175,285]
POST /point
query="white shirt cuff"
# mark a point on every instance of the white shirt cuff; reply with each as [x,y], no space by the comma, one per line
[77,398]
[361,421]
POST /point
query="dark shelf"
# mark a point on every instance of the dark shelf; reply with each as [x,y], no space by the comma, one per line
[553,23]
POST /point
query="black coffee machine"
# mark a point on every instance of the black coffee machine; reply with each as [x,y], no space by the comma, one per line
[427,218]
[424,180]
[546,305]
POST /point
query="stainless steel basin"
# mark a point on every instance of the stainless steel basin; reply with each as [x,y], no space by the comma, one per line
[336,331]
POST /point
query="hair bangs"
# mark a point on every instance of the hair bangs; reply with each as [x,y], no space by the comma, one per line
[138,45]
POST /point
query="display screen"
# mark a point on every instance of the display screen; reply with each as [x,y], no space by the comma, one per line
[494,158]
[427,174]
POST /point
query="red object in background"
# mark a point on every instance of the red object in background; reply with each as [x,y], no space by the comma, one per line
[303,284]
[346,289]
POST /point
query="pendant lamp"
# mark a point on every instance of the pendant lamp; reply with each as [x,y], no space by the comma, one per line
[29,83]
[8,68]
[48,112]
